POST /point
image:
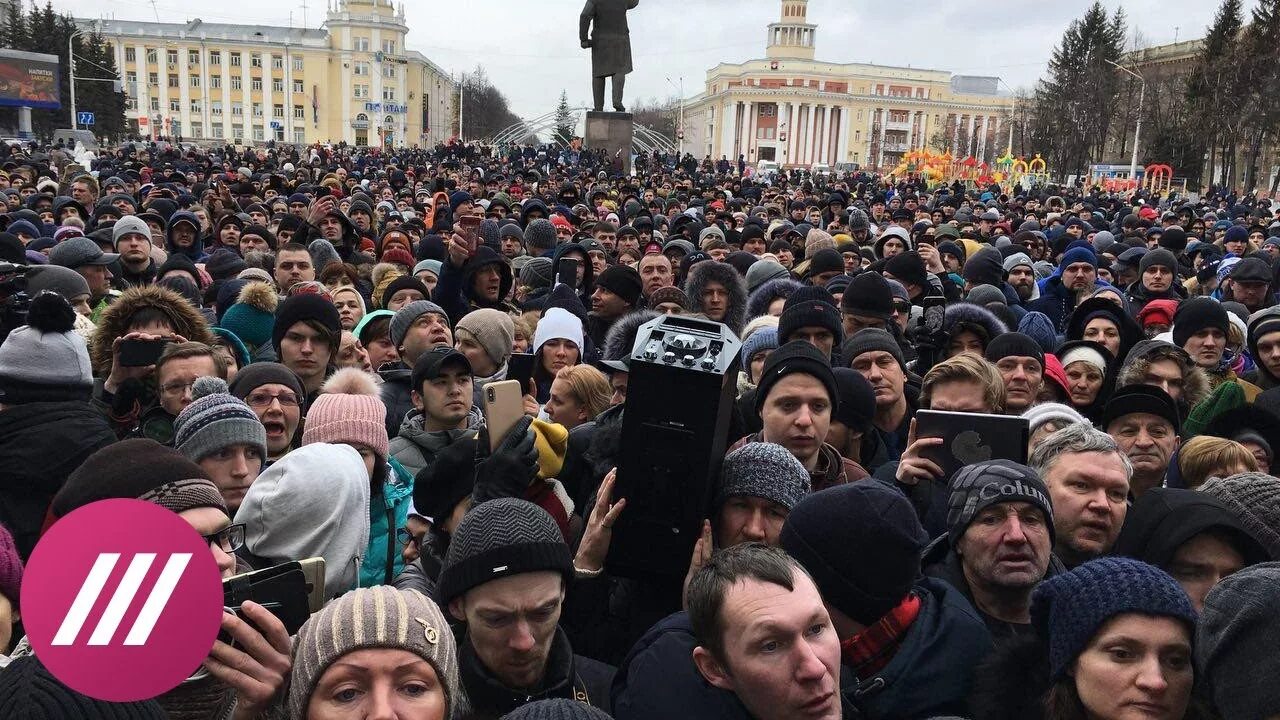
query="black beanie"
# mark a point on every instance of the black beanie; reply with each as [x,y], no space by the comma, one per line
[1196,314]
[1174,238]
[868,339]
[810,306]
[907,268]
[826,260]
[404,282]
[299,308]
[1161,257]
[622,281]
[1014,344]
[857,399]
[29,690]
[796,356]
[860,543]
[986,267]
[868,294]
[751,232]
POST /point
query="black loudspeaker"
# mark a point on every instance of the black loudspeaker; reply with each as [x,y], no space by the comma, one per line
[680,395]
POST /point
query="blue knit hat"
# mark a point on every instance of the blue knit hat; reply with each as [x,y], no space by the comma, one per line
[1077,255]
[765,338]
[1068,609]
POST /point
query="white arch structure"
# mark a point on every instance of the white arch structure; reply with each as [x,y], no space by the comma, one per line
[645,139]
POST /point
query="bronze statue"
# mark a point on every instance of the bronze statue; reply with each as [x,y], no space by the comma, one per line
[610,46]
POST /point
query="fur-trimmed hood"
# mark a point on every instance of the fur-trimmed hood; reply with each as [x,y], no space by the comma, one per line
[187,321]
[710,270]
[622,336]
[962,314]
[759,301]
[1195,384]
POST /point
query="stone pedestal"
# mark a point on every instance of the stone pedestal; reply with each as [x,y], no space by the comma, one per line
[612,132]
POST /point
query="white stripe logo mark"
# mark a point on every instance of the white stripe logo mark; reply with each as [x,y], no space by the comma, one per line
[121,599]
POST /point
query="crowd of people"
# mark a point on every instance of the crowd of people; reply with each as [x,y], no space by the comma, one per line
[288,347]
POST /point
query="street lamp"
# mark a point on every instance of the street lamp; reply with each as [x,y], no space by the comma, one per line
[1137,130]
[71,63]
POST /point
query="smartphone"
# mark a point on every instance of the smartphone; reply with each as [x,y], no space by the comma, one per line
[567,272]
[503,408]
[284,590]
[935,308]
[520,369]
[467,227]
[141,353]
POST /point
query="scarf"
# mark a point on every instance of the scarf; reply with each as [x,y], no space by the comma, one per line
[870,651]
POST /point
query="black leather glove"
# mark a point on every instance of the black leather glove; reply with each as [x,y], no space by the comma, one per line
[511,468]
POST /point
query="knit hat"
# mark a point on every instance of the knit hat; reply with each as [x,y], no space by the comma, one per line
[1160,257]
[45,360]
[810,307]
[556,709]
[985,294]
[907,268]
[493,330]
[253,316]
[1255,498]
[825,260]
[1078,255]
[142,469]
[763,470]
[29,690]
[539,235]
[406,316]
[669,294]
[857,404]
[214,420]
[301,308]
[861,544]
[1174,238]
[1038,415]
[376,617]
[1159,312]
[765,338]
[1196,314]
[499,538]
[1140,398]
[1067,609]
[224,264]
[868,294]
[1226,397]
[1235,643]
[10,568]
[974,488]
[795,356]
[404,282]
[869,339]
[1015,260]
[985,267]
[251,377]
[322,253]
[621,280]
[536,273]
[432,266]
[129,224]
[348,411]
[763,271]
[1013,344]
[1038,327]
[557,324]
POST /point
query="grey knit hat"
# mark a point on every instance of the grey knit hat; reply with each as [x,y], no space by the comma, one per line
[376,617]
[1255,498]
[66,282]
[406,315]
[536,273]
[540,235]
[1235,643]
[869,339]
[976,487]
[216,419]
[763,271]
[45,360]
[500,538]
[983,294]
[493,330]
[556,709]
[764,470]
[129,224]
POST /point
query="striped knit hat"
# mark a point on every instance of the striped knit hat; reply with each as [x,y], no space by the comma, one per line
[348,411]
[214,420]
[368,618]
[500,538]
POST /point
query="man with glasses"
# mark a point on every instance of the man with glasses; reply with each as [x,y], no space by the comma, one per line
[274,393]
[176,370]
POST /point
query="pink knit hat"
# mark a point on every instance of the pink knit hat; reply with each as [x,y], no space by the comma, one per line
[10,567]
[349,411]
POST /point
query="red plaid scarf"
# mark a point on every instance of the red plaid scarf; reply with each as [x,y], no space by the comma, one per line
[870,651]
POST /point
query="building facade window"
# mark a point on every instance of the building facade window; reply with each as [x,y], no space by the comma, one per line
[297,64]
[195,81]
[236,82]
[257,109]
[171,57]
[130,54]
[155,104]
[389,94]
[299,112]
[195,107]
[130,79]
[277,85]
[389,47]
[277,62]
[360,44]
[173,81]
[175,106]
[258,134]
[217,132]
[255,60]
[237,109]
[255,83]
[360,69]
[360,91]
[193,57]
[152,54]
[235,59]
[277,110]
[153,79]
[215,107]
[299,137]
[215,82]
[388,70]
[215,57]
[297,86]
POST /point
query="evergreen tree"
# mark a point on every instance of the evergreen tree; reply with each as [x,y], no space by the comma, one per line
[565,121]
[1209,83]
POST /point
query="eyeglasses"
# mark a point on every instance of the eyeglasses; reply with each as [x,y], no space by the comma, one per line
[404,537]
[902,306]
[264,399]
[229,538]
[174,389]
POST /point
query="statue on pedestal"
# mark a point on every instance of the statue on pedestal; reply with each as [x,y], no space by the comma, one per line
[610,46]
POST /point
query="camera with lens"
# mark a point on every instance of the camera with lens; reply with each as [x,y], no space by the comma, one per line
[14,301]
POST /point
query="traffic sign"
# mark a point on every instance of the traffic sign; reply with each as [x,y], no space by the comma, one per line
[84,118]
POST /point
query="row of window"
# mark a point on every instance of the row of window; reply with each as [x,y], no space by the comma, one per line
[237,108]
[361,44]
[235,58]
[237,133]
[215,82]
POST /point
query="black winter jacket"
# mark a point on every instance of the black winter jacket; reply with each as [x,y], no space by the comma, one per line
[567,676]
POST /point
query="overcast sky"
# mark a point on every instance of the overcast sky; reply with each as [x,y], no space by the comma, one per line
[530,47]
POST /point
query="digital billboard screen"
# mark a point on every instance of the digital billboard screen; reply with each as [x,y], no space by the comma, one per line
[29,79]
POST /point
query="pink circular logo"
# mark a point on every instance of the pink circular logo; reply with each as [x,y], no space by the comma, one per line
[122,600]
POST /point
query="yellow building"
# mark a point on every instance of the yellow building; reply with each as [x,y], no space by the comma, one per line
[352,80]
[796,111]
